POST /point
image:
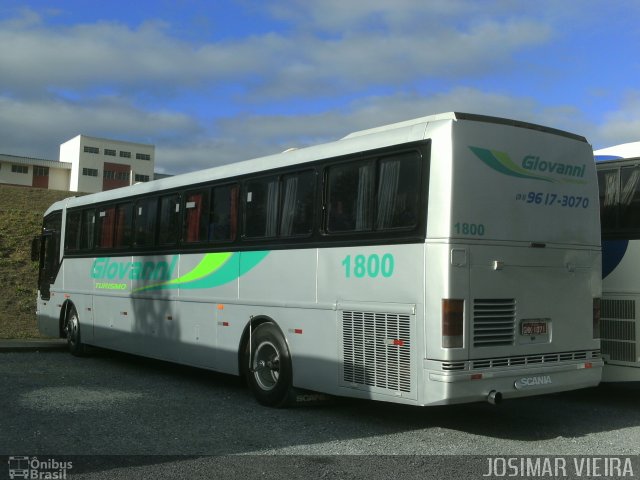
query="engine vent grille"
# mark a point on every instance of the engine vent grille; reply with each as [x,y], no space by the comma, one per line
[377,350]
[618,329]
[619,351]
[493,322]
[618,309]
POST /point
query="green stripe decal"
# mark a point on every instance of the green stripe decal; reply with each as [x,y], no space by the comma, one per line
[214,270]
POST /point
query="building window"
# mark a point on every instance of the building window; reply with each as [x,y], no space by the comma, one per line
[122,176]
[111,153]
[40,171]
[88,149]
[19,168]
[109,174]
[125,154]
[143,156]
[141,178]
[90,172]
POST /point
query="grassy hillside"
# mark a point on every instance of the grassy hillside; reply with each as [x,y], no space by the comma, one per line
[21,211]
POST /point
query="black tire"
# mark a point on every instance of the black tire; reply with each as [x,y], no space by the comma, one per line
[72,332]
[270,376]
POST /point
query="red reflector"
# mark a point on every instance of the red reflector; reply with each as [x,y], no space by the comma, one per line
[225,324]
[399,343]
[297,330]
[476,376]
[588,365]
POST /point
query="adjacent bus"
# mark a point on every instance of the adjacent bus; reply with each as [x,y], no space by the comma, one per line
[452,258]
[619,181]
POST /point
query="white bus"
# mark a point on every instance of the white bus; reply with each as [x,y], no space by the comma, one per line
[452,258]
[619,180]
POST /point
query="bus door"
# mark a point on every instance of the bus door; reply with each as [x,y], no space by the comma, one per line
[47,249]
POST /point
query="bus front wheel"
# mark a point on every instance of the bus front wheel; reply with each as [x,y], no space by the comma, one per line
[72,332]
[269,372]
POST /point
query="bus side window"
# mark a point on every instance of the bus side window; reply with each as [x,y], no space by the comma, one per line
[223,215]
[87,229]
[145,213]
[105,224]
[298,192]
[630,198]
[261,201]
[351,189]
[72,232]
[195,216]
[123,225]
[169,220]
[608,184]
[398,191]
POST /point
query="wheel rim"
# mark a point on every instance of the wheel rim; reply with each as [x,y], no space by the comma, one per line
[266,366]
[72,329]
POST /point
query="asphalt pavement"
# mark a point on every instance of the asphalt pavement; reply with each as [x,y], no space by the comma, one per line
[32,344]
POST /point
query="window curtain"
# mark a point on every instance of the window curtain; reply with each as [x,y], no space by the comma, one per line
[365,197]
[272,209]
[630,187]
[611,188]
[194,215]
[289,205]
[387,193]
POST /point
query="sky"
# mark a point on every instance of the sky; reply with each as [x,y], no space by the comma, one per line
[214,82]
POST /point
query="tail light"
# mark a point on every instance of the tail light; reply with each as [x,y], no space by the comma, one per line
[596,318]
[452,323]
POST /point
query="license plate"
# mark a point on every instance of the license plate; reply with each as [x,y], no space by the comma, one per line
[534,328]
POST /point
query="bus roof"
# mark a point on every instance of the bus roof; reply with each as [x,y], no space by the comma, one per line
[624,150]
[369,139]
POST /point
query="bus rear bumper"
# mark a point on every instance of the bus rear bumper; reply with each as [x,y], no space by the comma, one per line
[441,388]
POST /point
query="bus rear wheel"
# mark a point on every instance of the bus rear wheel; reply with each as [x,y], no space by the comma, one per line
[270,373]
[72,332]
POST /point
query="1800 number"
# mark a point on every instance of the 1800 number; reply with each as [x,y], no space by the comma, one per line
[372,266]
[475,229]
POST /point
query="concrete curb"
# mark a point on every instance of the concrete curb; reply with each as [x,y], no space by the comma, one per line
[20,345]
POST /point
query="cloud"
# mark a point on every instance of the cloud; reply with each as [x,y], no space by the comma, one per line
[249,136]
[107,55]
[621,125]
[38,127]
[325,69]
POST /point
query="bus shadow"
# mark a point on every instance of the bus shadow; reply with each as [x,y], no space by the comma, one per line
[534,419]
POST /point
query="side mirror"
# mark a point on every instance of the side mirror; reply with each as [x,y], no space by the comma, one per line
[35,248]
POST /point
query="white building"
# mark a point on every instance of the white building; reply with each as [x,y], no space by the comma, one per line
[86,164]
[34,172]
[99,164]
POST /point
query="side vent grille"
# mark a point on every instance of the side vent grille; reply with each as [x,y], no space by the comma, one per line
[618,330]
[493,322]
[377,350]
[618,309]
